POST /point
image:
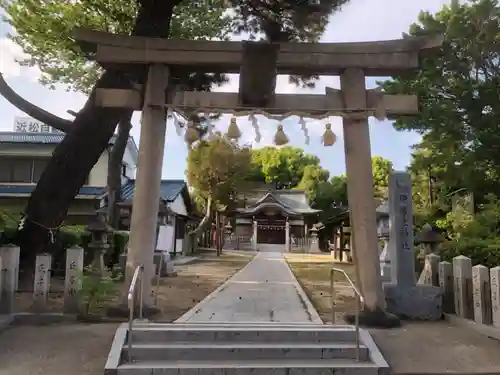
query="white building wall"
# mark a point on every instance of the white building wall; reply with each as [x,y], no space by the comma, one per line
[178,206]
[99,174]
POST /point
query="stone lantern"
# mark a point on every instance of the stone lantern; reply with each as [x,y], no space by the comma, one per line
[383,232]
[429,239]
[314,248]
[99,231]
[228,228]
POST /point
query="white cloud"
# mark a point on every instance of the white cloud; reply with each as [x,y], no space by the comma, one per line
[10,54]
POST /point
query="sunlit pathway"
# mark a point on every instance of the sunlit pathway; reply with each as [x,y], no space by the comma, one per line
[263,291]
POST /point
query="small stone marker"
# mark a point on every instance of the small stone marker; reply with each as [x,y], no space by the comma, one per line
[495,295]
[430,274]
[42,282]
[481,294]
[72,279]
[446,284]
[10,273]
[404,298]
[462,274]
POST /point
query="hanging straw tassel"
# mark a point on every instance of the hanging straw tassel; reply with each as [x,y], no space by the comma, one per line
[233,132]
[191,135]
[280,137]
[329,137]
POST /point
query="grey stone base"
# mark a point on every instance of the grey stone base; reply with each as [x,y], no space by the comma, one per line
[419,302]
[373,319]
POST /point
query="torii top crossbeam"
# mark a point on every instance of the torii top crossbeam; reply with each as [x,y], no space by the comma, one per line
[380,58]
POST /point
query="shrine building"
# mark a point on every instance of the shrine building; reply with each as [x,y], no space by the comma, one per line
[272,218]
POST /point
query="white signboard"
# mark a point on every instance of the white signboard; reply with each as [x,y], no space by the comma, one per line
[165,238]
[30,125]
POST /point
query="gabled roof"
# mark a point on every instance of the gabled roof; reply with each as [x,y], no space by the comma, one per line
[270,198]
[279,199]
[169,191]
[56,138]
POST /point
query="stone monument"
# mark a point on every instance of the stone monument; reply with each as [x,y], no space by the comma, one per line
[403,297]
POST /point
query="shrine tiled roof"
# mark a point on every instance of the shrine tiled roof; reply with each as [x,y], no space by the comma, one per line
[284,199]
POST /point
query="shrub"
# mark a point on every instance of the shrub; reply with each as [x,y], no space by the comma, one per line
[476,237]
[66,237]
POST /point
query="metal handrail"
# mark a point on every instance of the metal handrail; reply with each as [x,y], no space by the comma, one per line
[359,300]
[138,275]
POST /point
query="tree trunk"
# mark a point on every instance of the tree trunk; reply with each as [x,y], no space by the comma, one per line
[217,232]
[115,162]
[89,136]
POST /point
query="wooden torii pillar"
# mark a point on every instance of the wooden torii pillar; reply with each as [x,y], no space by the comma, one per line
[352,61]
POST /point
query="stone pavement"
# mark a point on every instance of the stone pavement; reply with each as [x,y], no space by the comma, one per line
[263,291]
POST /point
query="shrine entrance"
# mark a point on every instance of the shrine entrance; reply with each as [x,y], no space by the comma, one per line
[258,64]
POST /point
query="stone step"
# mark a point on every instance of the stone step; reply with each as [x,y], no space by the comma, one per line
[146,323]
[251,367]
[243,351]
[174,333]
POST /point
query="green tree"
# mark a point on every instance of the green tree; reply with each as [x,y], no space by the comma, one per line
[381,168]
[93,126]
[216,170]
[312,178]
[52,49]
[285,164]
[458,90]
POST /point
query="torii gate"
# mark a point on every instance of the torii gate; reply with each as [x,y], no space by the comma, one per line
[352,61]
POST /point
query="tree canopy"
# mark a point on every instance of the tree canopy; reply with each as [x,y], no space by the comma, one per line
[289,166]
[43,31]
[216,169]
[458,90]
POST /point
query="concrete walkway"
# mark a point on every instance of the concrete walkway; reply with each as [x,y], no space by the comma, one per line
[264,291]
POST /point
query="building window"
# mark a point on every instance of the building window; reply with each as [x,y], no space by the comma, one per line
[38,167]
[21,170]
[124,170]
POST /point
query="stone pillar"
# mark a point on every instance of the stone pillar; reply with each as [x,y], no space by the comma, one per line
[360,185]
[254,237]
[41,285]
[403,297]
[10,273]
[462,274]
[495,295]
[430,273]
[147,183]
[72,279]
[481,294]
[287,236]
[446,284]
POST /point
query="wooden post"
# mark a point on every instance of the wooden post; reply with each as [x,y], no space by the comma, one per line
[147,184]
[360,185]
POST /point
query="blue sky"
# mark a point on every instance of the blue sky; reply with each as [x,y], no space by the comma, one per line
[360,20]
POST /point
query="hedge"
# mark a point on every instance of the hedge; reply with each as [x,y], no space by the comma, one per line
[66,237]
